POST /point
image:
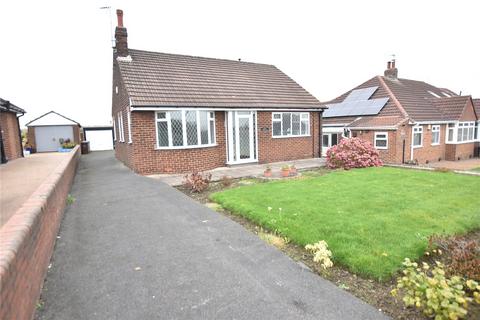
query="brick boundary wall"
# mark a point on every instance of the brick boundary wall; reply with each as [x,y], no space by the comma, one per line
[27,241]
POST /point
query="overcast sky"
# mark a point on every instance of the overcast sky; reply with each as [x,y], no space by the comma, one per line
[56,55]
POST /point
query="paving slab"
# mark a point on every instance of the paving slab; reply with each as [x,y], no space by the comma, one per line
[465,165]
[19,178]
[132,247]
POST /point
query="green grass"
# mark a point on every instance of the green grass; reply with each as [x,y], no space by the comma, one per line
[371,218]
[476,169]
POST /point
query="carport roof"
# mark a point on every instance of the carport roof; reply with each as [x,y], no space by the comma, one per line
[6,105]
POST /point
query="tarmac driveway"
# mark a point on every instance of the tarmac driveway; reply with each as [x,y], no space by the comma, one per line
[131,247]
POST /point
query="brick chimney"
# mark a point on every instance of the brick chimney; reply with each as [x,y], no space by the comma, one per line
[121,43]
[391,72]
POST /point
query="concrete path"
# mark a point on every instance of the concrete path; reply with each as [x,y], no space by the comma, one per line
[21,177]
[131,247]
[246,170]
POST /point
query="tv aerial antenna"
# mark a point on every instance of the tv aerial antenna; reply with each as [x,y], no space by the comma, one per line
[109,11]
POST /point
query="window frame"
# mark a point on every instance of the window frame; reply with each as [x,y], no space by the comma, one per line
[129,124]
[185,145]
[419,130]
[458,129]
[303,117]
[114,122]
[121,132]
[437,129]
[469,127]
[385,133]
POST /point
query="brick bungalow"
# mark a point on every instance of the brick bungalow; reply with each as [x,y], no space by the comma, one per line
[176,113]
[10,135]
[406,120]
[476,104]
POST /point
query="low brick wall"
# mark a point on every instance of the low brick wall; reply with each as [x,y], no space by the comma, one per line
[27,241]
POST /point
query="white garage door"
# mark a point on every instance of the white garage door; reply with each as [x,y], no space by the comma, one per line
[48,138]
[99,139]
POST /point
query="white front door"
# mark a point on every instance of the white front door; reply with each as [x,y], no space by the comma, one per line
[242,136]
[48,138]
[329,140]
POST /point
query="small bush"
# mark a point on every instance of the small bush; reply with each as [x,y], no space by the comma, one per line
[435,294]
[197,181]
[353,153]
[226,181]
[321,254]
[463,255]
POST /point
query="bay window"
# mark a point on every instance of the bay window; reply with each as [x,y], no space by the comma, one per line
[435,135]
[417,137]
[466,132]
[185,128]
[290,124]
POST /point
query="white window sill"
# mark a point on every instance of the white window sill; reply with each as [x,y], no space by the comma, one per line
[462,142]
[435,144]
[186,147]
[286,137]
[418,147]
[381,148]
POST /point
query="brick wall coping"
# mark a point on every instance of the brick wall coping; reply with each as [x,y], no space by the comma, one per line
[21,229]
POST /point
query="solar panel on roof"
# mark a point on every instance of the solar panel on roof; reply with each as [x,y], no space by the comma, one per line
[361,94]
[355,108]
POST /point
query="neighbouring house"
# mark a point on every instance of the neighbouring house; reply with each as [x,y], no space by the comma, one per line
[476,104]
[406,120]
[176,113]
[10,135]
[47,132]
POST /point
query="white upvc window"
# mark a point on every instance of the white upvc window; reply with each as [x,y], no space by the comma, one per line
[466,132]
[179,129]
[114,122]
[120,127]
[477,130]
[129,124]
[290,124]
[450,136]
[417,139]
[381,140]
[435,135]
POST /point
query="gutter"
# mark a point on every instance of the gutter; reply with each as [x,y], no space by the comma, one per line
[133,108]
[411,144]
[320,134]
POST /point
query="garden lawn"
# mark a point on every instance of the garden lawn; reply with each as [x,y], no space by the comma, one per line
[476,169]
[371,218]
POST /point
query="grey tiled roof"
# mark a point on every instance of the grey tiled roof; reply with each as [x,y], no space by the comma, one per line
[158,79]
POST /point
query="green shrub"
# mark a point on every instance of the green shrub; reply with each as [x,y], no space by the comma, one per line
[434,293]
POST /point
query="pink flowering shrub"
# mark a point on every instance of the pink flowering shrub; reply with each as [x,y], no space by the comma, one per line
[353,153]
